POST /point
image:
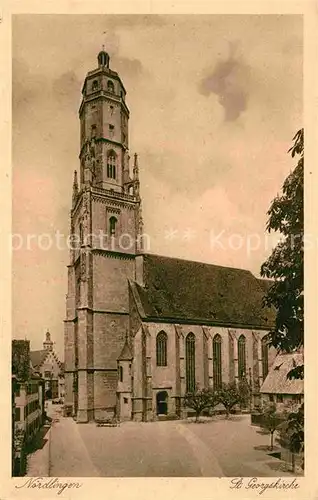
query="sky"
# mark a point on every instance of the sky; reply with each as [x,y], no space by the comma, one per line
[214,104]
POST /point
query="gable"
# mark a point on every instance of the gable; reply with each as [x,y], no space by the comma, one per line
[43,356]
[38,357]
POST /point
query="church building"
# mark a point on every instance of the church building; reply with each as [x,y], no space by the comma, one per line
[141,330]
[46,363]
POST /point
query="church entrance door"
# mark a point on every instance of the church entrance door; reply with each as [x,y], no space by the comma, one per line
[162,403]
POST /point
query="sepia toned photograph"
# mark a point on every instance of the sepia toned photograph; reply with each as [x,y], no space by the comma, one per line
[157,247]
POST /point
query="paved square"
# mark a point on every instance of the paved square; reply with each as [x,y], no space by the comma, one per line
[215,448]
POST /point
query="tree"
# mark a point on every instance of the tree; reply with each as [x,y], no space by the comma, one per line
[229,395]
[245,392]
[292,433]
[271,420]
[199,400]
[21,359]
[285,264]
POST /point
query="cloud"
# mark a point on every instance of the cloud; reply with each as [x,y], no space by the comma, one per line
[129,67]
[191,177]
[67,85]
[26,85]
[229,80]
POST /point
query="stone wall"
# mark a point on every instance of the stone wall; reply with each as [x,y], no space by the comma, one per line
[172,377]
[110,282]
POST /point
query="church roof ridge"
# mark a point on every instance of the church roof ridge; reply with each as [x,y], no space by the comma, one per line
[204,263]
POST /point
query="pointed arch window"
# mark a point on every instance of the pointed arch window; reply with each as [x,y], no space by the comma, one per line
[121,374]
[81,236]
[112,226]
[93,130]
[111,130]
[190,362]
[241,349]
[110,86]
[217,361]
[111,164]
[265,356]
[161,349]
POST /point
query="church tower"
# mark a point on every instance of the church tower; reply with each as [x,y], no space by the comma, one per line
[48,343]
[105,236]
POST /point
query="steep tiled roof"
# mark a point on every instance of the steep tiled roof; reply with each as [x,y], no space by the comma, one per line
[277,382]
[176,289]
[37,357]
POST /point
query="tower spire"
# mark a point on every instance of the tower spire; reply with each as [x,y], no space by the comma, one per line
[75,188]
[136,176]
[136,168]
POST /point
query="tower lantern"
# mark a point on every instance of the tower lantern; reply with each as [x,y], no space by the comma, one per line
[103,58]
[48,343]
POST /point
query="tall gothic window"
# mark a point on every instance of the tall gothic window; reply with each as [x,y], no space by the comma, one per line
[112,226]
[265,356]
[161,349]
[190,362]
[217,361]
[111,164]
[81,236]
[241,349]
[110,86]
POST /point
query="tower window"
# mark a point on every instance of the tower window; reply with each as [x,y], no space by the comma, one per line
[190,362]
[95,85]
[81,234]
[161,349]
[241,357]
[217,361]
[110,86]
[111,165]
[112,226]
[121,374]
[111,109]
[111,131]
[93,131]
